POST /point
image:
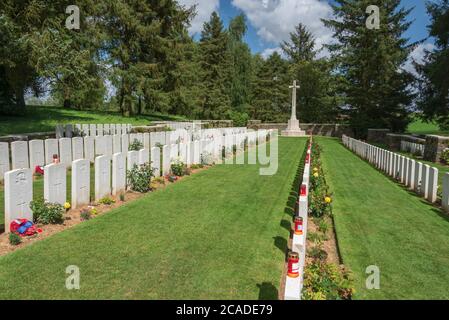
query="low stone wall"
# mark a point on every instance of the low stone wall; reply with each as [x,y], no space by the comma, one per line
[377,135]
[434,147]
[318,129]
[28,136]
[393,140]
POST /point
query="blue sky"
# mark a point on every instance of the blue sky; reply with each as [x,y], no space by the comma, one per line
[270,21]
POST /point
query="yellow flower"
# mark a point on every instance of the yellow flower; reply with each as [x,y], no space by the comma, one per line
[67,205]
[316,174]
[315,169]
[94,211]
[328,199]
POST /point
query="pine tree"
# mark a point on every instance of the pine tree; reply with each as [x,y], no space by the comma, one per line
[216,69]
[315,96]
[270,92]
[377,91]
[434,86]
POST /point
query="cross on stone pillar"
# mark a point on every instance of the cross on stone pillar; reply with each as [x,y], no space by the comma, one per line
[293,129]
[294,87]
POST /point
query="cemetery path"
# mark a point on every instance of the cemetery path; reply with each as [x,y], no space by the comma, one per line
[378,222]
[218,234]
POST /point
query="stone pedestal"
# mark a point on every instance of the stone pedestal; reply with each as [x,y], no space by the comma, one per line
[293,129]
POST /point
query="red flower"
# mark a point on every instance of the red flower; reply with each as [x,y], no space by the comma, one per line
[39,230]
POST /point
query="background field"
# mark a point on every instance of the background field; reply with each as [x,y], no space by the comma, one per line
[43,119]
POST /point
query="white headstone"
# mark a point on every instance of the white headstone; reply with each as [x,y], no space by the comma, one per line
[156,161]
[55,183]
[418,175]
[89,148]
[109,145]
[411,174]
[100,130]
[433,184]
[80,183]
[102,177]
[107,129]
[100,145]
[18,195]
[19,155]
[196,159]
[65,151]
[85,129]
[125,143]
[92,130]
[133,159]
[118,129]
[183,152]
[77,148]
[425,181]
[4,160]
[166,159]
[37,155]
[112,129]
[51,148]
[174,152]
[146,140]
[124,129]
[118,173]
[144,156]
[116,144]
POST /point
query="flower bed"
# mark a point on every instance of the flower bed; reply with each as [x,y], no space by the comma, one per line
[324,277]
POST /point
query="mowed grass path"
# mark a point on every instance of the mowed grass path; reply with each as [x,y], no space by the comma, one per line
[215,235]
[380,223]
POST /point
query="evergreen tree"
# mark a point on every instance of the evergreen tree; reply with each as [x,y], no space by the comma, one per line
[434,86]
[216,69]
[316,102]
[270,92]
[377,91]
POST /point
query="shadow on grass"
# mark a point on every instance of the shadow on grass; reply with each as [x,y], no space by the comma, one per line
[267,291]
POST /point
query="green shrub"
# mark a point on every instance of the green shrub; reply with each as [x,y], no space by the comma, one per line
[317,252]
[327,281]
[178,168]
[14,239]
[323,226]
[85,214]
[47,213]
[139,178]
[106,201]
[122,197]
[316,237]
[136,145]
[445,156]
[196,166]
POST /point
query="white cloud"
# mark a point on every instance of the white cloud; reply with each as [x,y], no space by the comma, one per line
[269,51]
[275,19]
[204,9]
[418,56]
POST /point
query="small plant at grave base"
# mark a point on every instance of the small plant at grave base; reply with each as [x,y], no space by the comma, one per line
[85,214]
[14,239]
[317,253]
[136,145]
[315,237]
[47,213]
[139,178]
[445,156]
[178,168]
[122,197]
[327,281]
[323,226]
[106,201]
[196,166]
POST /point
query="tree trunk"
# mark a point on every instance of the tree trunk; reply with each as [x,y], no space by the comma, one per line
[20,99]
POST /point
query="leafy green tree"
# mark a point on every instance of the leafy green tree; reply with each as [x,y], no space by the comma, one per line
[434,85]
[377,92]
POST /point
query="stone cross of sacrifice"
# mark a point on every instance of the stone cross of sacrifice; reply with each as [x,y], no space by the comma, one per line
[294,87]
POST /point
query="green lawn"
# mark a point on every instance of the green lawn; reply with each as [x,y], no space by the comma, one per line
[420,127]
[219,234]
[43,119]
[380,223]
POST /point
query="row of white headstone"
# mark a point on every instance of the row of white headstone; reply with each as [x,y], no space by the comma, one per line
[68,130]
[109,172]
[421,178]
[34,153]
[412,147]
[293,286]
